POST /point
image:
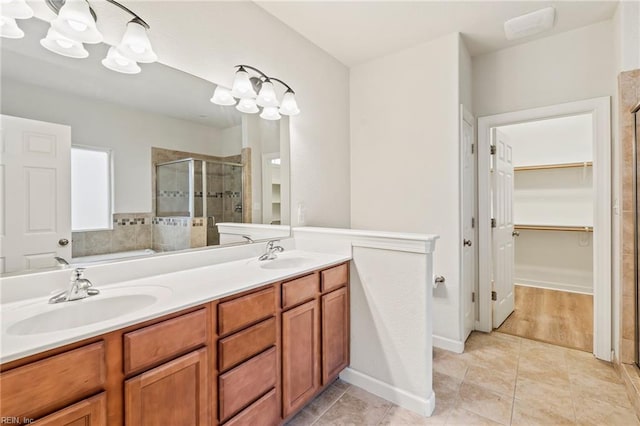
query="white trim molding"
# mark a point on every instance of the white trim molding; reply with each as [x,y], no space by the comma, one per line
[600,110]
[395,241]
[448,344]
[398,396]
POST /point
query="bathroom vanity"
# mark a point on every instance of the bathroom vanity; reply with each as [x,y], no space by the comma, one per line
[252,357]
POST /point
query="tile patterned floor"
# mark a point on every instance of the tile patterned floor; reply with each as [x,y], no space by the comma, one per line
[499,380]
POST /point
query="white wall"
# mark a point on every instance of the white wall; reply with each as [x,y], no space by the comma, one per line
[554,141]
[129,133]
[230,141]
[567,67]
[404,152]
[207,39]
[626,22]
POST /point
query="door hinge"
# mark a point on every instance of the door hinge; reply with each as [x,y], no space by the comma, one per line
[473,222]
[473,148]
[493,222]
[492,149]
[494,295]
[473,297]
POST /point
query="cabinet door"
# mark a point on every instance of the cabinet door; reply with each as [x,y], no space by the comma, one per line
[174,393]
[300,356]
[335,333]
[88,412]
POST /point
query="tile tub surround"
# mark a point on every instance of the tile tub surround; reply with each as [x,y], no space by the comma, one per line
[498,380]
[629,96]
[190,287]
[131,231]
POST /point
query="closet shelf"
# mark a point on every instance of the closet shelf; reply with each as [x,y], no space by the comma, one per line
[553,228]
[553,166]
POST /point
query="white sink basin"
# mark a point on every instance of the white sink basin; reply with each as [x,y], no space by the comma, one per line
[284,263]
[78,313]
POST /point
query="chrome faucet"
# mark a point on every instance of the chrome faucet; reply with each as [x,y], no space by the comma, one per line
[61,261]
[80,288]
[272,249]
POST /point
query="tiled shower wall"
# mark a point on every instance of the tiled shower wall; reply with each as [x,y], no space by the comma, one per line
[629,96]
[131,231]
[178,233]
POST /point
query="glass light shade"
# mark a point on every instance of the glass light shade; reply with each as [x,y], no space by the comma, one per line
[270,113]
[9,28]
[289,105]
[57,43]
[116,62]
[75,22]
[16,9]
[242,87]
[135,44]
[267,96]
[247,106]
[222,96]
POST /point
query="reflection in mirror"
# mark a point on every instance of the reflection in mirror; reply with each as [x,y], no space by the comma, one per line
[128,165]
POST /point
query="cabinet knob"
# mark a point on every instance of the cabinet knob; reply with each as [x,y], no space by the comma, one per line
[63,242]
[515,234]
[467,243]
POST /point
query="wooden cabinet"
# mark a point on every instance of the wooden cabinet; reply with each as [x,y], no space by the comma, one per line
[88,412]
[335,333]
[252,359]
[300,355]
[160,342]
[41,387]
[176,393]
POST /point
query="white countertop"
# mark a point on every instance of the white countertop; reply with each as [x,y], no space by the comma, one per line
[175,291]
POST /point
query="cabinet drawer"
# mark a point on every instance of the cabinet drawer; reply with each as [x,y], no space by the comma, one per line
[44,386]
[238,313]
[88,412]
[160,342]
[299,290]
[241,346]
[263,412]
[335,277]
[245,383]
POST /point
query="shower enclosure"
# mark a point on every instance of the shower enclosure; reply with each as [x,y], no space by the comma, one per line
[208,192]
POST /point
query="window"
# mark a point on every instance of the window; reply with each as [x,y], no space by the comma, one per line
[90,189]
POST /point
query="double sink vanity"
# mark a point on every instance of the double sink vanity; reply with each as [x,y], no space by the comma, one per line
[245,342]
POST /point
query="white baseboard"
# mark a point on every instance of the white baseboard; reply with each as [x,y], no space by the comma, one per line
[448,344]
[571,288]
[400,397]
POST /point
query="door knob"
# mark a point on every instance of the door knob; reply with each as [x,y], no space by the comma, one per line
[63,242]
[515,234]
[467,243]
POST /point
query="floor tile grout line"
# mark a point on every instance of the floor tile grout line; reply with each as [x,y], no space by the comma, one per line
[332,404]
[384,416]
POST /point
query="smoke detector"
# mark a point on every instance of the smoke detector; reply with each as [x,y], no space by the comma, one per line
[530,24]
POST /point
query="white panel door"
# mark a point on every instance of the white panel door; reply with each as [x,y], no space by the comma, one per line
[502,236]
[35,196]
[468,231]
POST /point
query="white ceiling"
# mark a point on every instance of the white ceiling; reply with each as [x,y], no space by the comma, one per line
[357,31]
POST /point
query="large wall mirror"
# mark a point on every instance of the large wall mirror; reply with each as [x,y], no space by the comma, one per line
[98,165]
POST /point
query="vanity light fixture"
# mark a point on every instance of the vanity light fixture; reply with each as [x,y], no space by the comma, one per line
[256,91]
[76,25]
[10,10]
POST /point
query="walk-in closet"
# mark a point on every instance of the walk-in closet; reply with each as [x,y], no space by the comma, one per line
[553,227]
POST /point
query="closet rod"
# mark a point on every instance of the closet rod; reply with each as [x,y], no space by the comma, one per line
[554,166]
[554,228]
